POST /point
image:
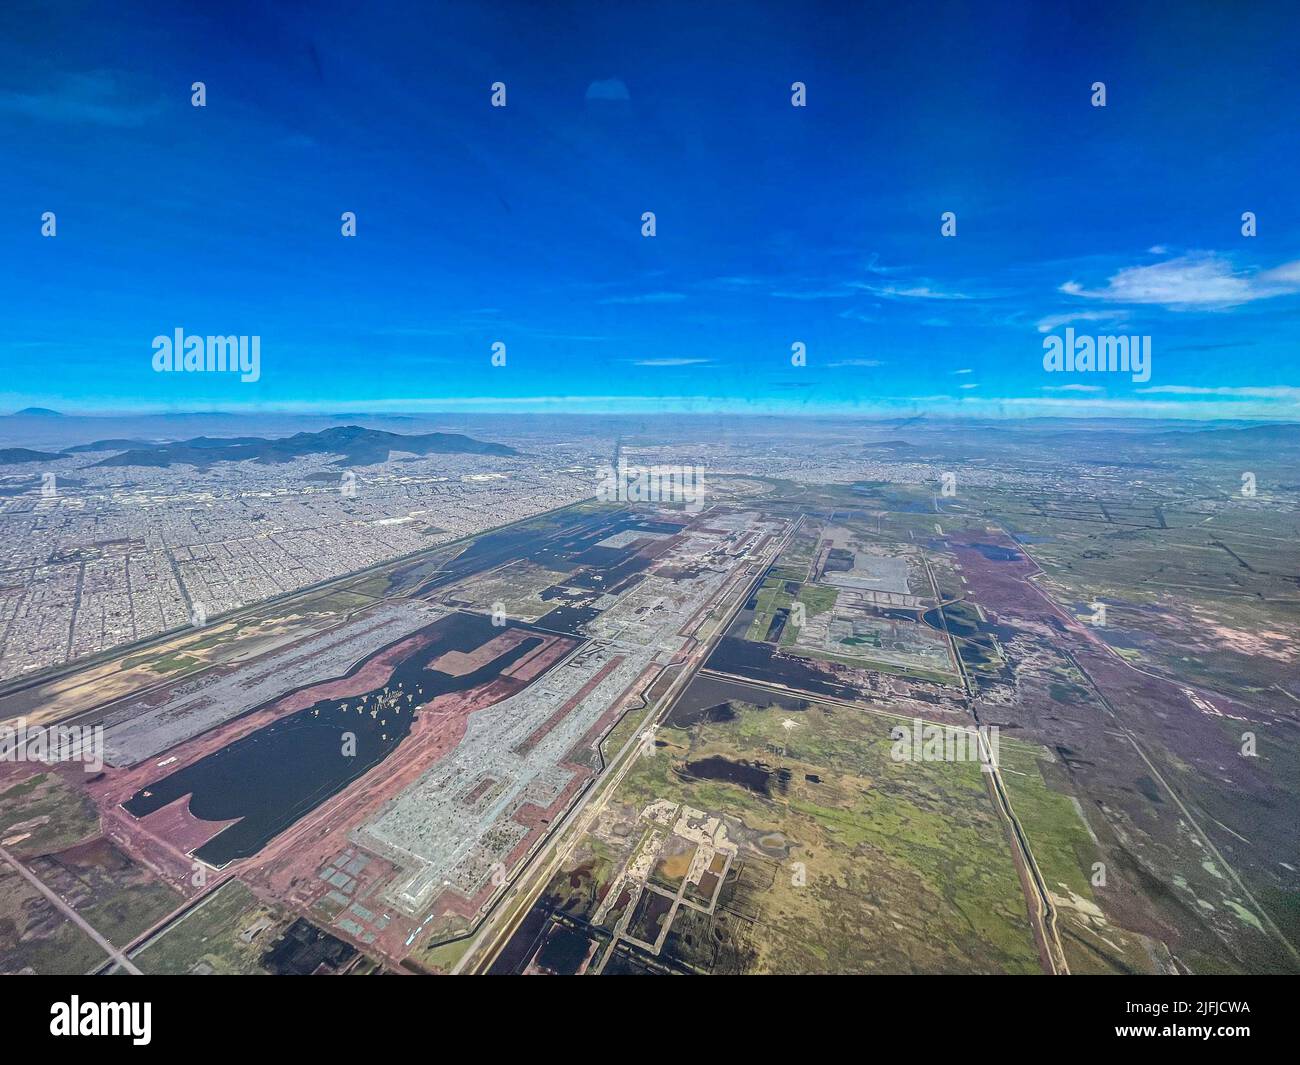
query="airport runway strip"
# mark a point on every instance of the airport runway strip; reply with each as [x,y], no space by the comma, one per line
[532,880]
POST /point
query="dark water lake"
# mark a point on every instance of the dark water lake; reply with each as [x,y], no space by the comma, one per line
[272,777]
[760,661]
[563,951]
[751,775]
[710,699]
[560,547]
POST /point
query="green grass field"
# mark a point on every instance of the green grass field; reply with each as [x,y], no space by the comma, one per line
[209,936]
[912,856]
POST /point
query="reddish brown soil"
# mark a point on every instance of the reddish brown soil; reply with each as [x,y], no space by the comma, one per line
[460,663]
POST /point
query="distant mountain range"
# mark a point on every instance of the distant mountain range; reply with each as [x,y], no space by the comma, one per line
[1252,434]
[109,445]
[355,445]
[11,456]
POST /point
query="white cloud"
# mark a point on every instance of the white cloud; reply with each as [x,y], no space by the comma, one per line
[669,362]
[647,297]
[855,362]
[964,369]
[1094,406]
[1073,388]
[1286,274]
[1201,280]
[1290,392]
[1055,321]
[912,292]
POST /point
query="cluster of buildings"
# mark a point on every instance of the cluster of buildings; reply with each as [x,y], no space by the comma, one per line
[119,554]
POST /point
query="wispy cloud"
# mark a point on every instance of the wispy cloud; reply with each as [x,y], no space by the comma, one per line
[815,294]
[735,281]
[912,292]
[1095,406]
[96,97]
[1201,280]
[1289,392]
[1073,388]
[1055,321]
[854,362]
[670,362]
[1288,274]
[873,266]
[858,316]
[647,297]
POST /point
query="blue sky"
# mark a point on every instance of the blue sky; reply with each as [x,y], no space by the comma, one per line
[775,224]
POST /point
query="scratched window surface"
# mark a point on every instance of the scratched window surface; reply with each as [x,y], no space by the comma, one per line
[606,489]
